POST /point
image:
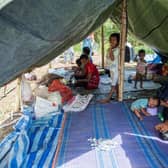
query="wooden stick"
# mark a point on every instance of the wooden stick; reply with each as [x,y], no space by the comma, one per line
[5,88]
[59,142]
[122,49]
[102,45]
[50,65]
[18,95]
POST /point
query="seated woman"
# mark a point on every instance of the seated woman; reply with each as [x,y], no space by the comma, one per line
[91,75]
[163,127]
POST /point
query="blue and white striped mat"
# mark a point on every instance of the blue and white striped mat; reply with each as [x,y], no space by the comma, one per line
[32,143]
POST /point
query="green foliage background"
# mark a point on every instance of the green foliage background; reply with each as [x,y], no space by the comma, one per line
[110,27]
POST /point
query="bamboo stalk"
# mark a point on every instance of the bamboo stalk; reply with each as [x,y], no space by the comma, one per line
[102,45]
[5,88]
[122,49]
[18,95]
[50,65]
[60,138]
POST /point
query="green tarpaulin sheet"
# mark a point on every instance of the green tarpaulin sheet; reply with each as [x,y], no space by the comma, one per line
[33,32]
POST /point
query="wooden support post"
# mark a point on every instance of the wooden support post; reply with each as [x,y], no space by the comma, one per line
[102,45]
[18,95]
[5,88]
[60,139]
[50,65]
[122,49]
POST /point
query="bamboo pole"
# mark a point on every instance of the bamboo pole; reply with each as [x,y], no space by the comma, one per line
[122,49]
[102,45]
[5,88]
[50,65]
[18,95]
[60,138]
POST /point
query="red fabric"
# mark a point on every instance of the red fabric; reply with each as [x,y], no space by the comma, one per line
[94,81]
[65,92]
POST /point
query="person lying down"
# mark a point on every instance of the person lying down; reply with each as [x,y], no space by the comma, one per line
[139,107]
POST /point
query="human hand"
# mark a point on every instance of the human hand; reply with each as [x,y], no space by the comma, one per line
[147,114]
[163,127]
[159,126]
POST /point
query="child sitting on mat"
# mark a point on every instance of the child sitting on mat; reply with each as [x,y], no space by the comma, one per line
[79,70]
[139,106]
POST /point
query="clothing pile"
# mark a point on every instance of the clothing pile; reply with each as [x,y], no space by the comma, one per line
[65,91]
[105,80]
[62,72]
[78,103]
[51,98]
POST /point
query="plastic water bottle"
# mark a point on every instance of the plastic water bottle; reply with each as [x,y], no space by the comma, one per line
[73,81]
[160,116]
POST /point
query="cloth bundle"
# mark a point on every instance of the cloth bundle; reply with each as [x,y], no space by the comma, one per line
[65,91]
[105,80]
[78,103]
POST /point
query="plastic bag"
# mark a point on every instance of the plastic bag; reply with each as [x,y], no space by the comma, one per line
[43,107]
[26,91]
[55,98]
[42,91]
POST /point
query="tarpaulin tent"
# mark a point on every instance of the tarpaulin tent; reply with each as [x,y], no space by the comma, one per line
[34,32]
[147,20]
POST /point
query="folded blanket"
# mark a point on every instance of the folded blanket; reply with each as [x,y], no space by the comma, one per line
[79,103]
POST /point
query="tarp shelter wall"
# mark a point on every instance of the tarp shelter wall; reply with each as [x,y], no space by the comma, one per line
[147,20]
[34,32]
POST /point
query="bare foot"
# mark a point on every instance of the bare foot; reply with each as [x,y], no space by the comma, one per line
[103,101]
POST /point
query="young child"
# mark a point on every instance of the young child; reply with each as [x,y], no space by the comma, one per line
[139,106]
[86,51]
[140,69]
[91,78]
[79,70]
[112,63]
